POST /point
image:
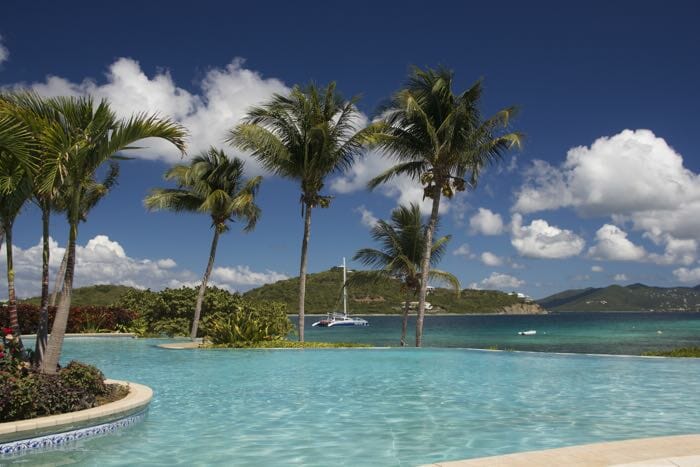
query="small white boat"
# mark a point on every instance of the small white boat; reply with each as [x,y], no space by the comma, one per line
[531,332]
[341,319]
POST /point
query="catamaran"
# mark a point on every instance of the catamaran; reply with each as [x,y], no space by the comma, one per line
[341,319]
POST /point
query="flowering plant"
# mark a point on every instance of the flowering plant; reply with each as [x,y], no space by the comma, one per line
[11,358]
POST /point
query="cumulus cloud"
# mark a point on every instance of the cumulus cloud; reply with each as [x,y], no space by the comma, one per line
[464,250]
[368,219]
[620,277]
[224,95]
[597,268]
[687,275]
[612,244]
[242,275]
[633,177]
[4,53]
[486,222]
[104,261]
[490,259]
[498,281]
[541,240]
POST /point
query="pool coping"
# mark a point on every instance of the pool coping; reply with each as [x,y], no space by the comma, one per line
[680,450]
[136,401]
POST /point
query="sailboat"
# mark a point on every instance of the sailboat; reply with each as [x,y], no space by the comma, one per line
[338,319]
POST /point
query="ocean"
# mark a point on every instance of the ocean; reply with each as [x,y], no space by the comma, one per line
[624,333]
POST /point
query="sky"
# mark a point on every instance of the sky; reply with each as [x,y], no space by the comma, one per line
[605,189]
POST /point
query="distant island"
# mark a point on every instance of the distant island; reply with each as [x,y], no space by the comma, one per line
[323,295]
[635,297]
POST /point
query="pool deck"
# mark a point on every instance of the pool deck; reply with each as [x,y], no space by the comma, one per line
[680,451]
[181,345]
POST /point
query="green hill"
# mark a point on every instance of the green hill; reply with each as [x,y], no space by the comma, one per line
[323,294]
[98,295]
[635,297]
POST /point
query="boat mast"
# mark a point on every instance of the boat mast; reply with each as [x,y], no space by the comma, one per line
[345,290]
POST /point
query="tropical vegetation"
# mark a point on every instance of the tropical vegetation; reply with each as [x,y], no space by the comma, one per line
[402,246]
[211,184]
[304,136]
[439,138]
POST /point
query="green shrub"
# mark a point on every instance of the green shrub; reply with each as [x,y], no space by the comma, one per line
[247,323]
[171,327]
[30,394]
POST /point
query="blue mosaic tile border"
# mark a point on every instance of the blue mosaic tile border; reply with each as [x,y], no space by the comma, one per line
[62,439]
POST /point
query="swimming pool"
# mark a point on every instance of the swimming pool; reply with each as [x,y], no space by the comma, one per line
[377,406]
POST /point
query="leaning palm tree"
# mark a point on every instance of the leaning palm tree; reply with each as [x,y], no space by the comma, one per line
[440,139]
[88,135]
[305,136]
[399,258]
[16,169]
[211,184]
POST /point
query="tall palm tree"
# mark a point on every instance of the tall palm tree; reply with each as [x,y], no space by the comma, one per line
[402,245]
[304,136]
[87,135]
[16,169]
[211,184]
[36,114]
[440,139]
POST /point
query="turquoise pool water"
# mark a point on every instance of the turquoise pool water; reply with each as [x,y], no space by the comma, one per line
[376,406]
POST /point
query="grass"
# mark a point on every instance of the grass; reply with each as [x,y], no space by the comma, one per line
[693,352]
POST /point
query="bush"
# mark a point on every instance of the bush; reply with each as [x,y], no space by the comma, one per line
[80,319]
[248,323]
[30,394]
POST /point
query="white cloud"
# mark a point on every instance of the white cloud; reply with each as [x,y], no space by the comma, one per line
[242,275]
[498,281]
[464,250]
[225,94]
[104,261]
[4,53]
[620,277]
[687,275]
[633,177]
[486,222]
[597,268]
[612,244]
[541,240]
[368,219]
[490,259]
[166,263]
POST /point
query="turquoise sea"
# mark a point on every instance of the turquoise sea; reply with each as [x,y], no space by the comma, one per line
[607,333]
[397,407]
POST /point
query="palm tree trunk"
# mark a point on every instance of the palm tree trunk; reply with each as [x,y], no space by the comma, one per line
[43,329]
[11,298]
[59,278]
[302,269]
[58,330]
[404,323]
[425,267]
[203,286]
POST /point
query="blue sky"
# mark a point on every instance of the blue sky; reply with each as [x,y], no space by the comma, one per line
[604,191]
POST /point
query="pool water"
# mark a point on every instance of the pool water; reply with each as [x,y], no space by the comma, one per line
[376,406]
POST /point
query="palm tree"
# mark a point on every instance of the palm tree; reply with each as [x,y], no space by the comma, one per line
[87,136]
[16,167]
[439,138]
[305,136]
[36,114]
[211,184]
[402,243]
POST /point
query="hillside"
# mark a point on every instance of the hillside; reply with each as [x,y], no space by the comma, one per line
[635,297]
[323,294]
[98,295]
